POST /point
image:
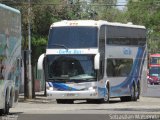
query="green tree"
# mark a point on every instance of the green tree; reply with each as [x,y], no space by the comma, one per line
[107,10]
[147,13]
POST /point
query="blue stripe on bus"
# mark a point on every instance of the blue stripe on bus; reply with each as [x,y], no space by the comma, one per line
[134,74]
[101,91]
[62,87]
[50,84]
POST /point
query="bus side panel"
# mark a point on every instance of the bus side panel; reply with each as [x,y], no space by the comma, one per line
[124,88]
[10,50]
[1,94]
[5,91]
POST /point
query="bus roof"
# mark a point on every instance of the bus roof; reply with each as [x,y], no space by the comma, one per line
[155,65]
[155,55]
[93,23]
[9,8]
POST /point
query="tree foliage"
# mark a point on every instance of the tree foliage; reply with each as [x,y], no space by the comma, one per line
[147,13]
[45,12]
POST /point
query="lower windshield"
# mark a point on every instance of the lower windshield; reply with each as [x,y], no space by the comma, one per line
[154,71]
[71,67]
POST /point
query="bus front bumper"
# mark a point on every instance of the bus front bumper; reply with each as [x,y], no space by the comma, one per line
[88,94]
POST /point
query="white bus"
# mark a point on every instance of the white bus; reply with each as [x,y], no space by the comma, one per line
[10,57]
[94,60]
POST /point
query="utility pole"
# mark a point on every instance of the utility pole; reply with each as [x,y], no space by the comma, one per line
[29,54]
[25,74]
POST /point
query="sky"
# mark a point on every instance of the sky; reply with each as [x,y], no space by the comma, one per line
[121,2]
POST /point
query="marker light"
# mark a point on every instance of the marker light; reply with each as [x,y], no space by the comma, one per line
[73,24]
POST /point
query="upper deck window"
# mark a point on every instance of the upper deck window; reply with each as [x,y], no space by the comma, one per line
[126,41]
[117,35]
[73,37]
[155,60]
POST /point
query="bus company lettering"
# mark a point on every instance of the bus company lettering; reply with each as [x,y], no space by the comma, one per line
[70,51]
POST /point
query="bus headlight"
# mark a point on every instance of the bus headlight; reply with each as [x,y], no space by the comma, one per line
[50,88]
[92,88]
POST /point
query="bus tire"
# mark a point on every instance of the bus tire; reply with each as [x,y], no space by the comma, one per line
[133,96]
[139,90]
[6,108]
[1,112]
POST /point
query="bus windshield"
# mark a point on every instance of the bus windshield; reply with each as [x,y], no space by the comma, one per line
[71,67]
[154,71]
[155,60]
[73,37]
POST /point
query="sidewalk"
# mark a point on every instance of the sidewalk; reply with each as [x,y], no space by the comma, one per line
[39,98]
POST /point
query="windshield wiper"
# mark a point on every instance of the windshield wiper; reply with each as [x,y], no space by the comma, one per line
[56,80]
[71,80]
[60,45]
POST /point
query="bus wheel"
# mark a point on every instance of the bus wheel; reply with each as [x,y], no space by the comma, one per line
[139,90]
[133,96]
[6,109]
[1,112]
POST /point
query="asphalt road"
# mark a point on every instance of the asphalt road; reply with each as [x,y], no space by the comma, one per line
[42,105]
[81,117]
[42,108]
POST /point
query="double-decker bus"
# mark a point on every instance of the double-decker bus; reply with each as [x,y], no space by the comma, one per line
[94,60]
[154,69]
[154,60]
[10,57]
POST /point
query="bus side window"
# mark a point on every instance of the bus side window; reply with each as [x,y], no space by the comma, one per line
[101,67]
[102,39]
[110,68]
[119,67]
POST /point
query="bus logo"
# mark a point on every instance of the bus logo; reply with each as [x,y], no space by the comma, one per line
[127,51]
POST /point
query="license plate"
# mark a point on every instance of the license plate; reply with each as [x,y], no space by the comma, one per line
[70,94]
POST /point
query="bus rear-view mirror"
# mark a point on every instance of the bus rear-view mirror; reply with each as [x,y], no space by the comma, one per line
[96,61]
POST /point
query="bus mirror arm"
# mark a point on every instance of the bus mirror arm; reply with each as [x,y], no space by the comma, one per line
[96,61]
